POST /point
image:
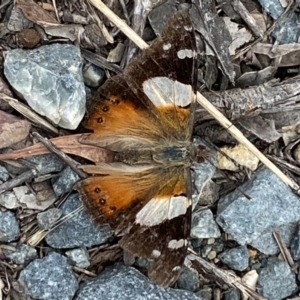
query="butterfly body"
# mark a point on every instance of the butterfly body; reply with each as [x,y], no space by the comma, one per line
[166,156]
[145,117]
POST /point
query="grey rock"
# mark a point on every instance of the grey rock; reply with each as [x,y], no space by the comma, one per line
[23,254]
[210,193]
[234,294]
[236,258]
[9,227]
[276,281]
[17,21]
[273,8]
[93,76]
[204,225]
[286,30]
[196,245]
[266,243]
[218,246]
[64,183]
[9,200]
[47,219]
[201,173]
[79,257]
[188,279]
[4,175]
[142,262]
[50,80]
[206,293]
[272,205]
[119,282]
[205,250]
[148,34]
[49,278]
[295,244]
[77,231]
[46,163]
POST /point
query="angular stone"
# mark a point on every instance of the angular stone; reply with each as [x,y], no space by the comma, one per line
[50,278]
[23,254]
[9,227]
[17,21]
[78,230]
[50,79]
[47,219]
[204,225]
[236,258]
[46,163]
[202,172]
[4,175]
[65,182]
[119,282]
[93,76]
[234,294]
[80,257]
[272,206]
[188,279]
[9,200]
[210,193]
[276,281]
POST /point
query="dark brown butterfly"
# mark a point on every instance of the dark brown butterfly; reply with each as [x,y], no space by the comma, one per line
[145,117]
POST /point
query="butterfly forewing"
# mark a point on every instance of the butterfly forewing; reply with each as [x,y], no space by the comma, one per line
[164,77]
[145,115]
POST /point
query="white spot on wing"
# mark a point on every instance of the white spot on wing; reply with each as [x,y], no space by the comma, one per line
[188,28]
[166,46]
[163,91]
[176,268]
[175,244]
[155,253]
[185,53]
[158,210]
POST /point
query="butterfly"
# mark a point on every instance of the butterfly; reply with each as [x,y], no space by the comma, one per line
[145,118]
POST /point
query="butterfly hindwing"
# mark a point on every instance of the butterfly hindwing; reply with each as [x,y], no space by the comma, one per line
[166,242]
[154,204]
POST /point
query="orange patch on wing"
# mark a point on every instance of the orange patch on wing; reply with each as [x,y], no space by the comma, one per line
[107,197]
[112,117]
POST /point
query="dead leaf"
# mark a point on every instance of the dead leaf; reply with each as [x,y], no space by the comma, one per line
[71,32]
[34,12]
[4,88]
[256,77]
[261,127]
[68,144]
[273,52]
[116,54]
[290,133]
[42,200]
[239,154]
[289,53]
[239,36]
[12,129]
